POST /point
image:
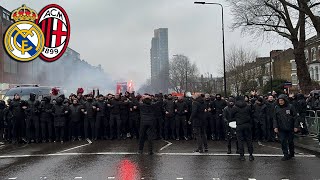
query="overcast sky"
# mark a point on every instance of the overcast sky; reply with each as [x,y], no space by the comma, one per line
[117,33]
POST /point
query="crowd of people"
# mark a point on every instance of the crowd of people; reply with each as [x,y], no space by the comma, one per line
[147,117]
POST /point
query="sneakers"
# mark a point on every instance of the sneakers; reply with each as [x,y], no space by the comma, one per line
[242,158]
[251,158]
[285,158]
[229,151]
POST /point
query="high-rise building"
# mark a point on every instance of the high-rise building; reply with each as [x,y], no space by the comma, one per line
[160,60]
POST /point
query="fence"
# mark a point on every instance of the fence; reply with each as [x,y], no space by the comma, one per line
[313,121]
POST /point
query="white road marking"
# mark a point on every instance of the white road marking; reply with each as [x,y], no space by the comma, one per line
[111,177]
[164,147]
[13,178]
[78,178]
[88,140]
[252,179]
[216,178]
[179,178]
[159,154]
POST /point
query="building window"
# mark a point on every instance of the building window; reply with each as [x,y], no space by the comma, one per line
[317,73]
[294,79]
[306,53]
[314,54]
[293,65]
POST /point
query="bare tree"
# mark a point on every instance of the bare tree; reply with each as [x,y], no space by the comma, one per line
[241,70]
[182,73]
[258,16]
[308,7]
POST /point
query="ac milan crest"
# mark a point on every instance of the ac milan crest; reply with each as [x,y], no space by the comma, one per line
[55,25]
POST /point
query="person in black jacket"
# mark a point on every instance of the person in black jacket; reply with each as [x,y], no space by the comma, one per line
[147,115]
[219,105]
[75,119]
[301,108]
[210,122]
[181,110]
[159,116]
[260,118]
[169,122]
[46,119]
[101,114]
[17,108]
[32,120]
[2,123]
[59,112]
[89,110]
[114,106]
[285,123]
[227,119]
[270,111]
[134,117]
[241,113]
[197,118]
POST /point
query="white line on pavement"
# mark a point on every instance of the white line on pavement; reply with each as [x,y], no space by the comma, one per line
[179,178]
[164,147]
[159,154]
[78,178]
[88,140]
[216,178]
[252,179]
[111,177]
[13,178]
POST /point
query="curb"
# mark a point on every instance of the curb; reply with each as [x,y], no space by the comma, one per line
[308,148]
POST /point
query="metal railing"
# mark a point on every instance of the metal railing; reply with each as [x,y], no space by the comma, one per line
[313,121]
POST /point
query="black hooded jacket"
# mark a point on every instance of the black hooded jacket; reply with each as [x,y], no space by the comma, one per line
[241,113]
[285,116]
[147,112]
[197,116]
[46,109]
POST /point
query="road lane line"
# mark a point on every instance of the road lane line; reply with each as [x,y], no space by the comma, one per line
[88,140]
[216,178]
[78,178]
[111,177]
[159,154]
[252,179]
[179,178]
[13,178]
[164,147]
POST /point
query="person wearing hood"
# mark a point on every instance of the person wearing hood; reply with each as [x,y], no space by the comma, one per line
[89,111]
[241,113]
[33,120]
[219,104]
[17,108]
[197,118]
[301,108]
[169,122]
[147,123]
[114,106]
[75,119]
[260,118]
[59,112]
[101,114]
[285,123]
[227,119]
[181,109]
[159,116]
[46,119]
[134,114]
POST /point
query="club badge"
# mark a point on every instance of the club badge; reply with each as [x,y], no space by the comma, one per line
[24,40]
[55,25]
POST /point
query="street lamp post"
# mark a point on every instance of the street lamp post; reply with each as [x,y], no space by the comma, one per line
[223,45]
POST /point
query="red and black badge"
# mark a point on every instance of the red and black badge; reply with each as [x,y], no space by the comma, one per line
[55,25]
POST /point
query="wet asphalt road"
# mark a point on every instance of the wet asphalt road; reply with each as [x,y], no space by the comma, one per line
[118,160]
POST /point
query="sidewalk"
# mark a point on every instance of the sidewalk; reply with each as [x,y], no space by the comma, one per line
[310,143]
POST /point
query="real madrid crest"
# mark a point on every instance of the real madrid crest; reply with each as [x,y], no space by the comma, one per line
[24,40]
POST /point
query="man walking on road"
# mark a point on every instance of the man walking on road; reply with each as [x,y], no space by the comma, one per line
[285,123]
[241,113]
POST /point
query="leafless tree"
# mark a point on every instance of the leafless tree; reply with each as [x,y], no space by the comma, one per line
[241,70]
[259,16]
[182,72]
